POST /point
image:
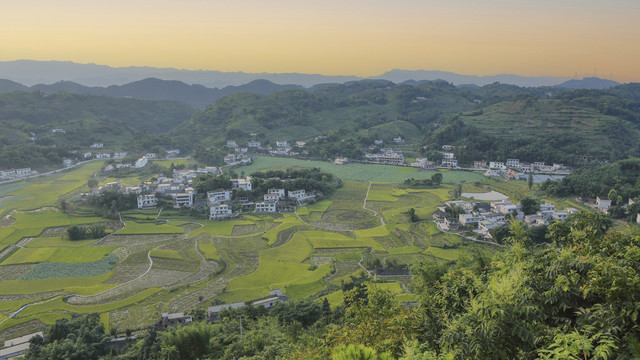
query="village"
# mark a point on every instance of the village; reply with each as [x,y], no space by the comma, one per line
[481,217]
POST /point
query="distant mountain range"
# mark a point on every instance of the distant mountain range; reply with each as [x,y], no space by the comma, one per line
[153,89]
[589,83]
[31,72]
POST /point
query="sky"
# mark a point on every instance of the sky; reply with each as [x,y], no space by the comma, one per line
[333,37]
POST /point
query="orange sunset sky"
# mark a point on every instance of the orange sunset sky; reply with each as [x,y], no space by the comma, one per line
[346,37]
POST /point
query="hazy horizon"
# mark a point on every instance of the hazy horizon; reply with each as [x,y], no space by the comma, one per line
[360,38]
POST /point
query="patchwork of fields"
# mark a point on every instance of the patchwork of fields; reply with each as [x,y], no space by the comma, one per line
[153,262]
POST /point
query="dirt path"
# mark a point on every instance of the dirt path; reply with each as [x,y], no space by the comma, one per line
[375,213]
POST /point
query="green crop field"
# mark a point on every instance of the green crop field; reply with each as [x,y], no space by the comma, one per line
[134,228]
[300,253]
[360,172]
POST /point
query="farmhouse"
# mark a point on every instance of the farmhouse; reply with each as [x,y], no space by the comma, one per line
[103,155]
[151,155]
[167,320]
[269,301]
[184,199]
[97,145]
[282,144]
[119,154]
[147,201]
[480,164]
[254,144]
[341,161]
[266,207]
[58,131]
[271,198]
[280,192]
[398,139]
[231,144]
[229,159]
[244,184]
[301,143]
[140,163]
[173,152]
[496,165]
[513,163]
[297,194]
[220,211]
[67,162]
[86,155]
[219,195]
[603,204]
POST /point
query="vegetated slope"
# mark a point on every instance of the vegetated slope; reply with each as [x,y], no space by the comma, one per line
[589,83]
[582,122]
[84,118]
[340,111]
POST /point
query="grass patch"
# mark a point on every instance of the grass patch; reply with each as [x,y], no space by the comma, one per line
[134,228]
[63,255]
[166,254]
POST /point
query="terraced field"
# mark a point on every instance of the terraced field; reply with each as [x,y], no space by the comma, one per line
[155,262]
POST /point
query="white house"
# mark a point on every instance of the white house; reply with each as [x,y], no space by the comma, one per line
[449,162]
[140,163]
[603,204]
[23,172]
[220,211]
[67,162]
[271,198]
[231,144]
[97,145]
[173,152]
[219,195]
[264,207]
[282,144]
[244,184]
[230,158]
[398,139]
[254,144]
[497,165]
[297,194]
[86,155]
[119,154]
[184,199]
[378,142]
[58,131]
[448,155]
[103,155]
[280,192]
[513,163]
[147,201]
[151,155]
[447,147]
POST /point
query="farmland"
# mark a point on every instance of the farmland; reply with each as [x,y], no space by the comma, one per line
[152,262]
[360,172]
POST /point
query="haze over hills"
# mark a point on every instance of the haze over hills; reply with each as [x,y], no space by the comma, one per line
[30,72]
[156,89]
[589,83]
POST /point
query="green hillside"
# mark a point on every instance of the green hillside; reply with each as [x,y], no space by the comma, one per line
[85,119]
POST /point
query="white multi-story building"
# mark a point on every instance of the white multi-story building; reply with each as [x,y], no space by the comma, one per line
[147,201]
[86,155]
[513,163]
[271,198]
[264,207]
[244,184]
[97,145]
[58,131]
[254,144]
[103,155]
[297,194]
[119,154]
[231,144]
[220,211]
[140,163]
[497,165]
[23,172]
[173,152]
[282,144]
[219,195]
[151,155]
[184,199]
[280,192]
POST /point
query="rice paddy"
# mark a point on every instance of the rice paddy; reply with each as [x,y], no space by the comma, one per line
[167,261]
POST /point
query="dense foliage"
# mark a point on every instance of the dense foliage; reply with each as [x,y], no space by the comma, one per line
[78,232]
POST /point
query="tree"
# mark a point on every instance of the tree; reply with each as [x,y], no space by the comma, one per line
[92,183]
[530,181]
[412,215]
[65,205]
[530,206]
[436,178]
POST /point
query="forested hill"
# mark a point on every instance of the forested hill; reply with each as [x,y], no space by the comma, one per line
[27,121]
[495,121]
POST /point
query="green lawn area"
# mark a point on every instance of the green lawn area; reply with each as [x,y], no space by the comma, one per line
[359,172]
[134,228]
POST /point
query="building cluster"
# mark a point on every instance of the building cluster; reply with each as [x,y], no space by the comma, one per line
[484,216]
[385,156]
[13,174]
[240,156]
[269,301]
[221,202]
[514,169]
